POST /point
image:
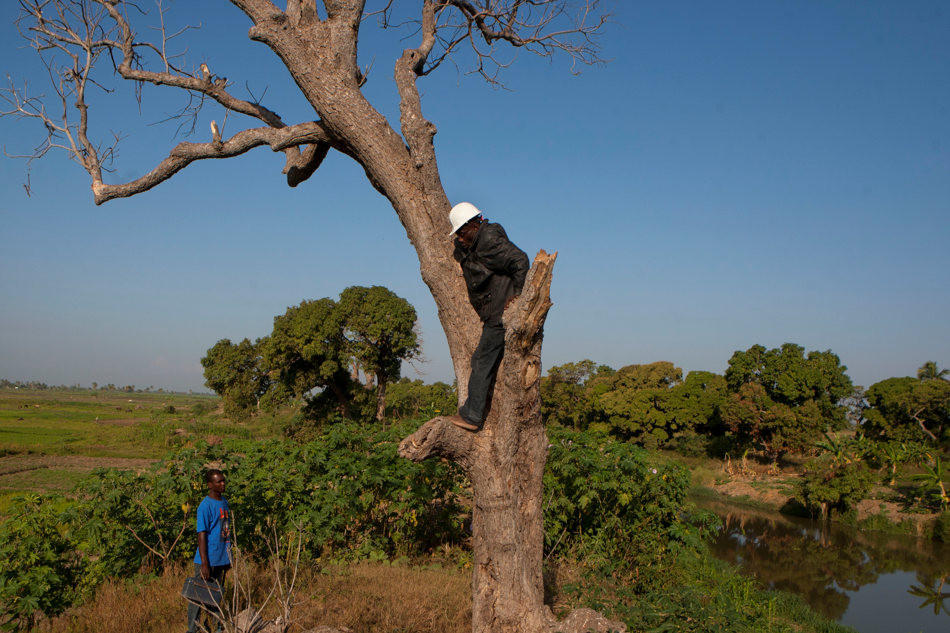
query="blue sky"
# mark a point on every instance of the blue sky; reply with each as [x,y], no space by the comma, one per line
[739,173]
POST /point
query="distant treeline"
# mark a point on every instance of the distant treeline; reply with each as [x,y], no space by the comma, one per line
[42,386]
[775,401]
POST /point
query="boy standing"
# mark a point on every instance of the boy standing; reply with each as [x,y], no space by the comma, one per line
[213,558]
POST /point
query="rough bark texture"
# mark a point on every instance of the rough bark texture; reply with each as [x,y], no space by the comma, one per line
[505,461]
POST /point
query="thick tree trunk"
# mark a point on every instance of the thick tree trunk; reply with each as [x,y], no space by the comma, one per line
[505,464]
[505,460]
[380,398]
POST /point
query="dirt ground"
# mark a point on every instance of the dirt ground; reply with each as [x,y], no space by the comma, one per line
[773,492]
[13,464]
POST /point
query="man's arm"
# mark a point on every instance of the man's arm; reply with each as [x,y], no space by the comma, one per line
[203,552]
[503,257]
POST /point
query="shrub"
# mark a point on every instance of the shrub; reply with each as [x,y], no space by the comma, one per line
[40,567]
[350,495]
[199,409]
[603,495]
[413,398]
[828,486]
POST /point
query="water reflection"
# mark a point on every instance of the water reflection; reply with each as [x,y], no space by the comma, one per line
[830,565]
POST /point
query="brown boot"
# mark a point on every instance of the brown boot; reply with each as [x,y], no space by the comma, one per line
[462,423]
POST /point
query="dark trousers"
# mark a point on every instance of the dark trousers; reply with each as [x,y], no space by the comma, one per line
[217,573]
[485,361]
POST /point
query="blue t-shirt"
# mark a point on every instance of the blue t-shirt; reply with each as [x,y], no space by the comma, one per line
[214,517]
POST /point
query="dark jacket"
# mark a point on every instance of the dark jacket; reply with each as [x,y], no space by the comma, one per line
[494,271]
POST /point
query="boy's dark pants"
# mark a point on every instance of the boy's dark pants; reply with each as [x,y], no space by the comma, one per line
[485,360]
[217,573]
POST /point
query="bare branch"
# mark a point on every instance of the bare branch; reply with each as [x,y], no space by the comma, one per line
[186,153]
[542,27]
[70,35]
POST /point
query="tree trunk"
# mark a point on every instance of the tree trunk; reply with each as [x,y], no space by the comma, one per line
[380,398]
[505,460]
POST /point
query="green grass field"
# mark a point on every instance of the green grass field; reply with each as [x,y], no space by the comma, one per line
[49,439]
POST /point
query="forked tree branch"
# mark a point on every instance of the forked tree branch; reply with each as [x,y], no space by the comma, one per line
[186,153]
[542,27]
[524,322]
[80,31]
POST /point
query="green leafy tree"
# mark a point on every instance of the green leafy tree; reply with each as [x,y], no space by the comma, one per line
[930,371]
[307,351]
[236,373]
[379,329]
[652,403]
[828,486]
[908,409]
[567,396]
[931,480]
[782,400]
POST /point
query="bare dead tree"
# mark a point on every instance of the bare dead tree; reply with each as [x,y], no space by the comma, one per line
[318,47]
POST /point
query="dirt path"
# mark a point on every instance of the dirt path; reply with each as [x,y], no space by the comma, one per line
[12,464]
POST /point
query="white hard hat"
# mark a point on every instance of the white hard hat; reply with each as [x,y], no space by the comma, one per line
[462,213]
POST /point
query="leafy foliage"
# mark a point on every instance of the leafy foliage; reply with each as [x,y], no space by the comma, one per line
[305,350]
[314,353]
[654,404]
[40,567]
[379,330]
[604,497]
[783,400]
[830,485]
[566,396]
[349,494]
[414,399]
[908,409]
[237,374]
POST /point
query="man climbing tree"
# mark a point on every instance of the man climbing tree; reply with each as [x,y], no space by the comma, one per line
[494,271]
[318,47]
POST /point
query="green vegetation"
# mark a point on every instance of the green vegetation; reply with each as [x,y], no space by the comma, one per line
[618,529]
[320,345]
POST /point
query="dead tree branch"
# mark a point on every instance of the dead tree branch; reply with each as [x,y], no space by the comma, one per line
[184,154]
[71,35]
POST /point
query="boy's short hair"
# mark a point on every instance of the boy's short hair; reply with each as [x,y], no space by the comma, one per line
[211,472]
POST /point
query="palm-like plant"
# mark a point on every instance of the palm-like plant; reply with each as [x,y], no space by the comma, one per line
[933,477]
[930,371]
[931,590]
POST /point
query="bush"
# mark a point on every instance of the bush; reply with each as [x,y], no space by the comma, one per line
[828,486]
[414,399]
[199,409]
[604,497]
[40,566]
[351,496]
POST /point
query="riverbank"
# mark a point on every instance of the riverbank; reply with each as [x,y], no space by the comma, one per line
[873,581]
[772,487]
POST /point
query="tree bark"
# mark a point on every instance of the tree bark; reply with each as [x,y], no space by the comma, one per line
[380,398]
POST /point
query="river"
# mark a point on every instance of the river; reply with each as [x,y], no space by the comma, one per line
[873,582]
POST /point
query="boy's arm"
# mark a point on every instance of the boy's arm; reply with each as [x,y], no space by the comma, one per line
[203,552]
[502,256]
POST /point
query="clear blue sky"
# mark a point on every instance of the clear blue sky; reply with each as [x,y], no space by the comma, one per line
[739,173]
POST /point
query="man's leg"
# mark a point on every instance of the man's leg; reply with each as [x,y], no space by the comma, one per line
[194,609]
[485,362]
[218,574]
